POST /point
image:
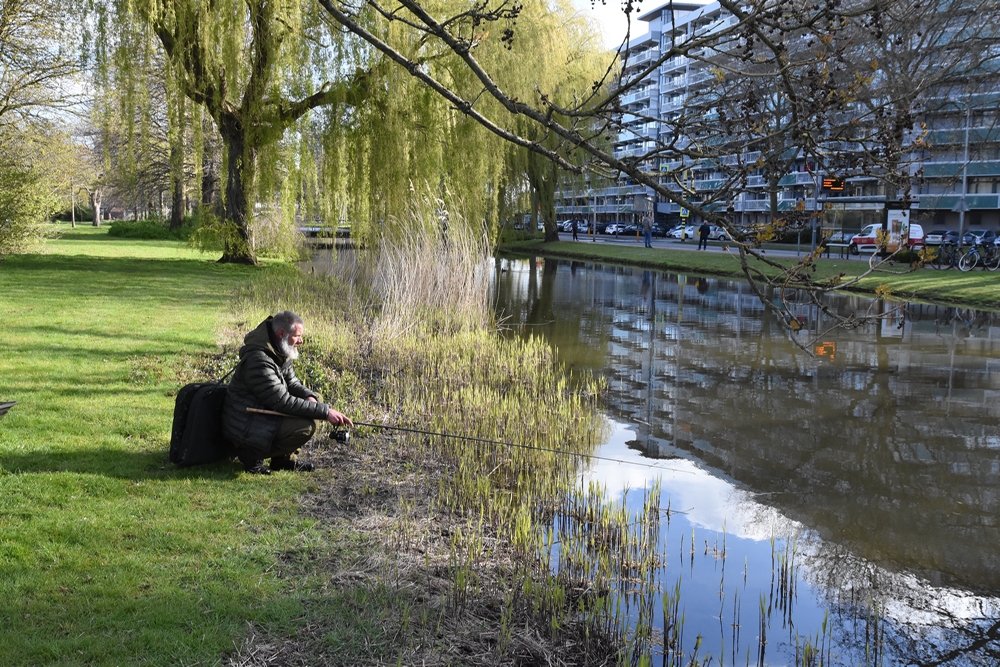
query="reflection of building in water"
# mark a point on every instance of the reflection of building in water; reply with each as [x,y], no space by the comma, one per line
[888,443]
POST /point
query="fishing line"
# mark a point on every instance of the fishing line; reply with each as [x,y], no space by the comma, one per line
[487,441]
[564,452]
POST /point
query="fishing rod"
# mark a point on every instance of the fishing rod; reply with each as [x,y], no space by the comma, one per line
[471,438]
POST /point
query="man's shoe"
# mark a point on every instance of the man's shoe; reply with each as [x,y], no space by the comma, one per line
[288,464]
[256,468]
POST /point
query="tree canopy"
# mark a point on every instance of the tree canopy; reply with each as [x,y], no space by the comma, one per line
[37,87]
[257,69]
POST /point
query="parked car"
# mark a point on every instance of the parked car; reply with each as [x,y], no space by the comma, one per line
[716,233]
[941,236]
[614,228]
[977,236]
[660,230]
[681,230]
[866,240]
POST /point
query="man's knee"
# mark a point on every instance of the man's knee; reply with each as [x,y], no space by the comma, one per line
[292,434]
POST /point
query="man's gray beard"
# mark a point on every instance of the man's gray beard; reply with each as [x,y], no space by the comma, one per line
[288,349]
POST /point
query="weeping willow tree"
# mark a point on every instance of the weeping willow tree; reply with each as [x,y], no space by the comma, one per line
[571,65]
[407,138]
[257,68]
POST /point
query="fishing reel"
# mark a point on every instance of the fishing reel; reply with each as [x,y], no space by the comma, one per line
[341,435]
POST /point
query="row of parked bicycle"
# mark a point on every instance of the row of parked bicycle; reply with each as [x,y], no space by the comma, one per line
[951,255]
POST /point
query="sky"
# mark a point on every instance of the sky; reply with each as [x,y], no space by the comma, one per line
[612,18]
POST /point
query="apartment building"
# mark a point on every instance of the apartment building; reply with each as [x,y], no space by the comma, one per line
[952,152]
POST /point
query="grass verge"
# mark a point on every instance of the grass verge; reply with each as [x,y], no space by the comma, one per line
[978,289]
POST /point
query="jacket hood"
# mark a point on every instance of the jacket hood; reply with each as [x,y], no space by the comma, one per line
[262,339]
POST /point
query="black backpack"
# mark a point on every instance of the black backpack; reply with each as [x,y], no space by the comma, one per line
[196,437]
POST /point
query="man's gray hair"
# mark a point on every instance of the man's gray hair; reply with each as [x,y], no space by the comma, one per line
[284,321]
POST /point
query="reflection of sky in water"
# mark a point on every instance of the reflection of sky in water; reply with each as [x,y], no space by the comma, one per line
[717,546]
[731,569]
[708,502]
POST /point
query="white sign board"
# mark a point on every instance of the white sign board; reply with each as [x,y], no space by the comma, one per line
[897,227]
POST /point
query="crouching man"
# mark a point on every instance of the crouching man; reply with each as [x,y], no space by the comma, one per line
[265,380]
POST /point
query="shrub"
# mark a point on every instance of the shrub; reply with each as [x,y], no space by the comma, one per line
[83,214]
[150,229]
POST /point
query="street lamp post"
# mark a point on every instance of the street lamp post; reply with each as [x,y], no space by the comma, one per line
[593,213]
[962,206]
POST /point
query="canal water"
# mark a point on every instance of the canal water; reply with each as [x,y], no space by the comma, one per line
[847,500]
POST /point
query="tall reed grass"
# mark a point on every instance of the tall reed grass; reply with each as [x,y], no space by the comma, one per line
[432,276]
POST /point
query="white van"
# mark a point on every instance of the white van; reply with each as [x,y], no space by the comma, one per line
[866,241]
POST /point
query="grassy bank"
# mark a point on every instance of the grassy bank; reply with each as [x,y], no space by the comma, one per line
[979,289]
[402,548]
[108,555]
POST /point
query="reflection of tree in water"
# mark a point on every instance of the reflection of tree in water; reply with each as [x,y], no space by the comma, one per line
[969,321]
[899,616]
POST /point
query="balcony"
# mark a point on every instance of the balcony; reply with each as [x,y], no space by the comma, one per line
[949,202]
[677,62]
[666,106]
[631,151]
[708,184]
[638,95]
[797,178]
[696,79]
[642,58]
[954,169]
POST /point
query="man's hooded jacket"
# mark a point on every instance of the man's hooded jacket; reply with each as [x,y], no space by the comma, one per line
[265,380]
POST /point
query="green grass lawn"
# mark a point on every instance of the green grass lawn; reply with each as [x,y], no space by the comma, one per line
[108,554]
[977,288]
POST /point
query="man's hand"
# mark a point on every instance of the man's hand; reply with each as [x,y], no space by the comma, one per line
[339,418]
[312,398]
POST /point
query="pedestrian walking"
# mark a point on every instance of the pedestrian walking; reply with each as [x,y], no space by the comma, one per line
[703,232]
[647,230]
[575,237]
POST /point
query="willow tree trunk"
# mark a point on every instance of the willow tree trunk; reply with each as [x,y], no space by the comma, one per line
[177,195]
[95,205]
[177,205]
[542,175]
[241,176]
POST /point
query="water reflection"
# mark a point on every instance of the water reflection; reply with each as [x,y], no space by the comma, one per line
[879,455]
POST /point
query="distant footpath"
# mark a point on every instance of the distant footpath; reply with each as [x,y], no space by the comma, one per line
[977,288]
